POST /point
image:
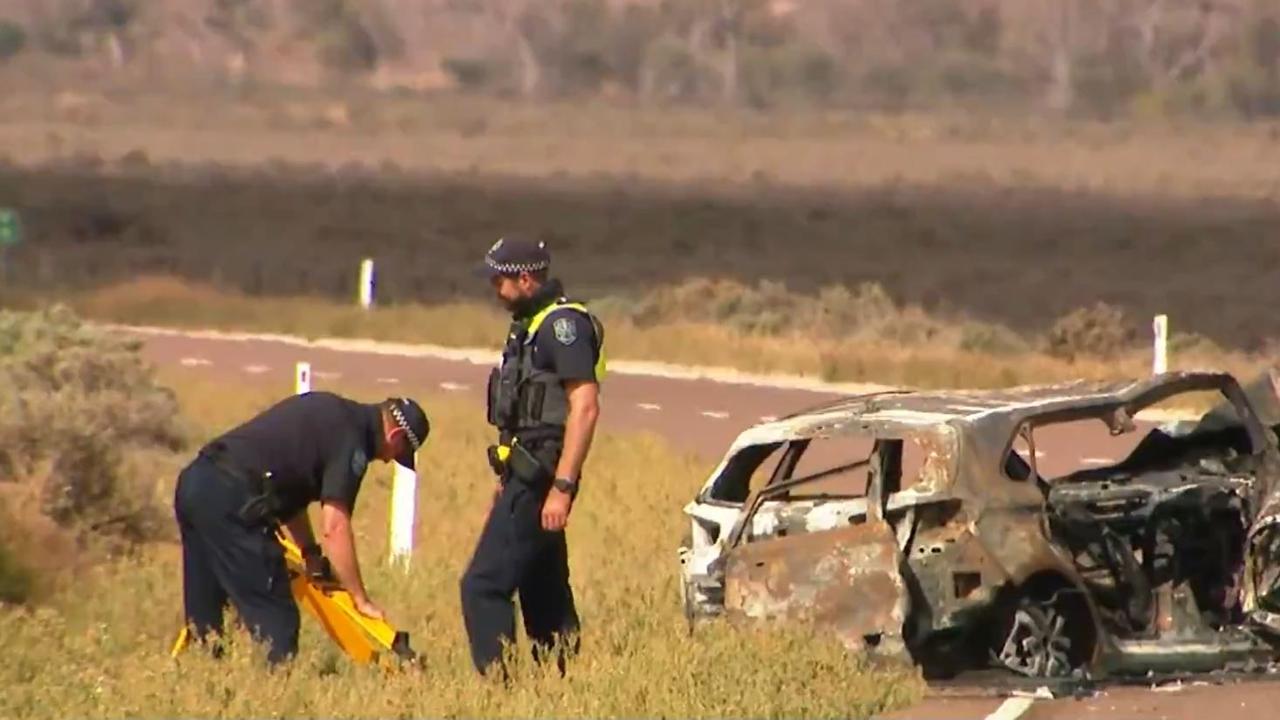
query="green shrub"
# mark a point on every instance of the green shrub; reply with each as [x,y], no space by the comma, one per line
[794,71]
[347,47]
[471,73]
[1101,331]
[80,405]
[13,39]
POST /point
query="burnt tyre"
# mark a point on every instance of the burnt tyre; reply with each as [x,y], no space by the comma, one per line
[1044,638]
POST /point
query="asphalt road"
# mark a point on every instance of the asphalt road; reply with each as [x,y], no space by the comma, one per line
[701,416]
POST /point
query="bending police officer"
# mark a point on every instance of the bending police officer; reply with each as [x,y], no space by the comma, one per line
[544,401]
[262,475]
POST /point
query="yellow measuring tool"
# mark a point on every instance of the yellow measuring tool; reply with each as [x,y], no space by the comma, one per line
[362,638]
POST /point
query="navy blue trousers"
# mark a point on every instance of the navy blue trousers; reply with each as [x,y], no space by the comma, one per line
[515,555]
[225,559]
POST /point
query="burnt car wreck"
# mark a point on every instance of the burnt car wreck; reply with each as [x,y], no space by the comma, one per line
[930,526]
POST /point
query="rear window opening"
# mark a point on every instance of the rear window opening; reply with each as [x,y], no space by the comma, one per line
[1122,441]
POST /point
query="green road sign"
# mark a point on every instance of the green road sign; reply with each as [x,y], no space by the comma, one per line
[10,227]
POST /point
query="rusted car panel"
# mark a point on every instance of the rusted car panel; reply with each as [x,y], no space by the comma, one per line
[959,550]
[846,579]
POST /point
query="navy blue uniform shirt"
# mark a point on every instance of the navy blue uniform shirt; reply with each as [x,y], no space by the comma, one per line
[316,446]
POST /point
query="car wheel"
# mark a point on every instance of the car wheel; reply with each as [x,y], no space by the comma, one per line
[1036,641]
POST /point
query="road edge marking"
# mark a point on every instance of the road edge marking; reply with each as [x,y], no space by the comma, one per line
[488,358]
[480,356]
[1012,708]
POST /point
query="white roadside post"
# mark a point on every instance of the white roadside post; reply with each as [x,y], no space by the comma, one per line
[1160,356]
[366,283]
[404,488]
[302,378]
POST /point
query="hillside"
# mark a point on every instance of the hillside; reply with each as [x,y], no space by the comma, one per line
[1123,58]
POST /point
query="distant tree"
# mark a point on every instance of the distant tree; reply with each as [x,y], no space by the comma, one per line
[342,41]
[517,21]
[13,39]
[77,27]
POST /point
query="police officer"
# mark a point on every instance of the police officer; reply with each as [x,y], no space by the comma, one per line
[262,475]
[544,401]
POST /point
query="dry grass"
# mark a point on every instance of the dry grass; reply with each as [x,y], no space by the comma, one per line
[858,339]
[107,657]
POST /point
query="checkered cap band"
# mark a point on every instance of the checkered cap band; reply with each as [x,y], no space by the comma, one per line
[515,268]
[398,416]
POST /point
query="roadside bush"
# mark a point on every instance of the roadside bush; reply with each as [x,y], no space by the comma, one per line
[15,579]
[794,71]
[13,39]
[472,73]
[864,312]
[347,47]
[1101,331]
[672,72]
[79,407]
[991,339]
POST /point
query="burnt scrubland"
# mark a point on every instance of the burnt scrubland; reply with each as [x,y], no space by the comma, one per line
[1020,256]
[1015,259]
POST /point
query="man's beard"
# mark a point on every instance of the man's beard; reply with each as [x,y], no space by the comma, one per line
[520,306]
[515,305]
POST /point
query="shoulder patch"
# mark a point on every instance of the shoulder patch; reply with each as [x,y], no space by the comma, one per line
[565,329]
[359,463]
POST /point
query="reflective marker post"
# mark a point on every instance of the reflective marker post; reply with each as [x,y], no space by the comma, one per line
[1160,355]
[366,283]
[302,378]
[404,489]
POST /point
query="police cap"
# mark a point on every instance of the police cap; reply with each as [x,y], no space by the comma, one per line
[512,255]
[406,413]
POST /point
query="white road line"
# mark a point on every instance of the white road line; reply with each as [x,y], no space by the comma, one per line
[768,418]
[453,387]
[715,414]
[194,362]
[1012,708]
[388,381]
[648,406]
[487,357]
[1097,461]
[256,369]
[320,375]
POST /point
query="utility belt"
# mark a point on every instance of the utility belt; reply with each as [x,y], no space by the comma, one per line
[264,507]
[517,456]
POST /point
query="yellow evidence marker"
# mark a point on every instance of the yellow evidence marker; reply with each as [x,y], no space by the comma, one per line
[362,638]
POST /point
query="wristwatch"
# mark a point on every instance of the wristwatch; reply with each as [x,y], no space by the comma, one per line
[565,485]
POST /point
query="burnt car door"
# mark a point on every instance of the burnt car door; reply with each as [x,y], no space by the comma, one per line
[842,575]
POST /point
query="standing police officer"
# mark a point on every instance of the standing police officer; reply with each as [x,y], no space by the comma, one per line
[313,447]
[544,401]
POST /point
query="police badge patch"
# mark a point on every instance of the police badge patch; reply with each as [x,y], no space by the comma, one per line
[566,332]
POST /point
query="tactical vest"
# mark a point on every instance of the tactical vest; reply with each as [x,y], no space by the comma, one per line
[526,402]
